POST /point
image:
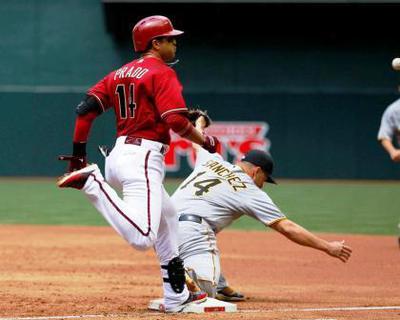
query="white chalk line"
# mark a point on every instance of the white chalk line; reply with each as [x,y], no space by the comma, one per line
[317,319]
[239,311]
[321,309]
[57,317]
[343,309]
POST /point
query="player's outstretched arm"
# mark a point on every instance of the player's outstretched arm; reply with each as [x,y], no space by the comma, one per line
[391,150]
[298,234]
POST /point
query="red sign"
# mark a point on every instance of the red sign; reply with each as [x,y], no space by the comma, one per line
[236,139]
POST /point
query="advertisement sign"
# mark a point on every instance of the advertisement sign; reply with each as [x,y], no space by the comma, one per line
[236,139]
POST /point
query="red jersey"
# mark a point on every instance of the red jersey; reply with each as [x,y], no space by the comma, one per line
[142,93]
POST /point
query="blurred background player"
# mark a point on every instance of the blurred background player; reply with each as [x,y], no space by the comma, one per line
[214,195]
[389,134]
[389,130]
[146,96]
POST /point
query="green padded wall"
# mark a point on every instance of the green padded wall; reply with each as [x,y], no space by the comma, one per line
[320,80]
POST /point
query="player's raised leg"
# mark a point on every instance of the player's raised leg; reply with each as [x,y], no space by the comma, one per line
[136,218]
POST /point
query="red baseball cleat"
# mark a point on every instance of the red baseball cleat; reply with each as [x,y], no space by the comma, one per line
[76,179]
[194,297]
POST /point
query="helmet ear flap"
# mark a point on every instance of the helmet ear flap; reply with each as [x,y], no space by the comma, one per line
[149,28]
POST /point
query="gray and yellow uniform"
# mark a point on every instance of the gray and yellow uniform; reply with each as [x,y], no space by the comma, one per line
[390,123]
[214,195]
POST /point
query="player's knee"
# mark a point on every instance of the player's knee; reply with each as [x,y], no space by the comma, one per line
[208,287]
[143,243]
[141,246]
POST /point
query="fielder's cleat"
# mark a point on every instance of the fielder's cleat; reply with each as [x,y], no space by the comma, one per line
[229,294]
[194,297]
[76,179]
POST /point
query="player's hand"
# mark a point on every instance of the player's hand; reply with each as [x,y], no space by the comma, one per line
[339,250]
[211,143]
[194,114]
[395,155]
[75,162]
[201,124]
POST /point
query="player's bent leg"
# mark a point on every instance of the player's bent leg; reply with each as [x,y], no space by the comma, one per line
[166,245]
[196,238]
[208,287]
[131,222]
[197,247]
[204,268]
[194,284]
[142,187]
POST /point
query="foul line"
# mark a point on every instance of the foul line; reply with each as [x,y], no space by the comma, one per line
[322,309]
[239,311]
[345,309]
[57,317]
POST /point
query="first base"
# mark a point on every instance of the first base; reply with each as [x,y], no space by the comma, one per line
[210,305]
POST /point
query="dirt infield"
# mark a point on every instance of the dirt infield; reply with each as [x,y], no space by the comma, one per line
[91,272]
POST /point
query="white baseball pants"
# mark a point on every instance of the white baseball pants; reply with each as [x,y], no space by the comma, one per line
[145,216]
[198,249]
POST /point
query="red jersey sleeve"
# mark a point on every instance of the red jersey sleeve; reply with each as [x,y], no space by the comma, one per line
[168,93]
[101,92]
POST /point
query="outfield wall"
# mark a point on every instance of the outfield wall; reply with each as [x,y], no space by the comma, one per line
[320,83]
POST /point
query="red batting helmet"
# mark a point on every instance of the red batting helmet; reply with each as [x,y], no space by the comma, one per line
[152,27]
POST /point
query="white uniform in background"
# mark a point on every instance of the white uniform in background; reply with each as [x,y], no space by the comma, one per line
[390,130]
[214,195]
[390,123]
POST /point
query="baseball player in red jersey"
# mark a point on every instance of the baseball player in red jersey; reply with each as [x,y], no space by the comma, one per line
[146,96]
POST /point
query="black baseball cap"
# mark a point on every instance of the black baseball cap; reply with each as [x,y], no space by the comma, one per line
[261,159]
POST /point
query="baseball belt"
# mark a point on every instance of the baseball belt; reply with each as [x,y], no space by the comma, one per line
[191,217]
[138,142]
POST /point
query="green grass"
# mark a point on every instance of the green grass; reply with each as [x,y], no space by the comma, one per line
[340,207]
[369,208]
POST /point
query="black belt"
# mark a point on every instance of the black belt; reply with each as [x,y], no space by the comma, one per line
[190,217]
[138,142]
